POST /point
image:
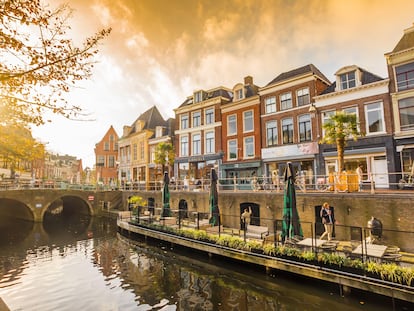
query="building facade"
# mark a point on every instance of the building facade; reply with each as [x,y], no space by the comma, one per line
[289,131]
[106,155]
[241,136]
[134,152]
[357,91]
[198,135]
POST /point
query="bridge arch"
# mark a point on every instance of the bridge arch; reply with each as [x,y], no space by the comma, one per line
[13,208]
[67,205]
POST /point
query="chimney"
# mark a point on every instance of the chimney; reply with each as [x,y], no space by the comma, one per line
[248,80]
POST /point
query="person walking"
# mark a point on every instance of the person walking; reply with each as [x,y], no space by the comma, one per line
[245,217]
[328,220]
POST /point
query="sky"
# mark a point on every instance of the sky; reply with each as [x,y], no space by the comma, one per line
[160,51]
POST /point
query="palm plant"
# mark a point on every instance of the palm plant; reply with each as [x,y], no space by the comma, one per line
[338,129]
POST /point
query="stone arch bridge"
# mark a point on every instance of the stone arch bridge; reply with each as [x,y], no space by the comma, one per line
[32,204]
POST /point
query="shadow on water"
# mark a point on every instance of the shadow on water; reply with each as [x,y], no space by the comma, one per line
[196,282]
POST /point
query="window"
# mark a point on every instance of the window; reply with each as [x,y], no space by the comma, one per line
[141,150]
[248,121]
[239,94]
[198,96]
[196,144]
[286,101]
[248,147]
[287,131]
[353,110]
[101,161]
[232,125]
[232,149]
[305,128]
[159,131]
[270,104]
[326,117]
[210,142]
[405,76]
[375,118]
[134,152]
[111,161]
[209,116]
[303,97]
[196,118]
[184,146]
[271,133]
[406,108]
[106,146]
[184,122]
[347,80]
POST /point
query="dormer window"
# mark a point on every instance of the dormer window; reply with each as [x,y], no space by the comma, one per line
[198,96]
[159,131]
[239,94]
[347,80]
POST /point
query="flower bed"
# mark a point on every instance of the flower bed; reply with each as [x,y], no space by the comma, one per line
[384,271]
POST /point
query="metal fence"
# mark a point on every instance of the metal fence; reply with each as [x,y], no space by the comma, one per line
[365,243]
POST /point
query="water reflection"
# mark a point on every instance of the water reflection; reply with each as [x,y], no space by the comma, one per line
[85,265]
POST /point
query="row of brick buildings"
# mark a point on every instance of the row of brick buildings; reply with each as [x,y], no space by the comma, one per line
[248,130]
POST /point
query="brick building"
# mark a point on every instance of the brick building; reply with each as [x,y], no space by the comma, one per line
[106,155]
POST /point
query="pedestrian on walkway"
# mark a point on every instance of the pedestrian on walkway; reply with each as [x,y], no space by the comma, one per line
[328,220]
[245,217]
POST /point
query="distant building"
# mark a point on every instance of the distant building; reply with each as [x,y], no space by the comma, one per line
[134,153]
[106,155]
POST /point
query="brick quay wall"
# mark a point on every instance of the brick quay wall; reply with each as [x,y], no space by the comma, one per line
[395,209]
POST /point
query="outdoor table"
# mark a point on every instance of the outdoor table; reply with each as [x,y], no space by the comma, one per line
[371,250]
[309,242]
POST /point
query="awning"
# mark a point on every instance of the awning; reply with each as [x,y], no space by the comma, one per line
[355,151]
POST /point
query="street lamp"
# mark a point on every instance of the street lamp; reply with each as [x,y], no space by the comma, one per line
[313,111]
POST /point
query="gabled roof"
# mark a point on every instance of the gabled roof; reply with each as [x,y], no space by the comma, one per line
[366,78]
[218,92]
[406,42]
[151,119]
[299,72]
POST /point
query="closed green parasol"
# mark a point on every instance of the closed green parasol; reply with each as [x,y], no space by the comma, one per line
[213,200]
[166,211]
[291,227]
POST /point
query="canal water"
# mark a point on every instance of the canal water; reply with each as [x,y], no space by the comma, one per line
[84,264]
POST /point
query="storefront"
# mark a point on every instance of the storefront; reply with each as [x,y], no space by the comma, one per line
[240,174]
[196,167]
[302,157]
[373,160]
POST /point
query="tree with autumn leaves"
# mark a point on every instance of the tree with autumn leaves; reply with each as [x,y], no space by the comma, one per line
[39,65]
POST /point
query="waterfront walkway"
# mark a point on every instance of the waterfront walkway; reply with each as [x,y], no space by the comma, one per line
[288,262]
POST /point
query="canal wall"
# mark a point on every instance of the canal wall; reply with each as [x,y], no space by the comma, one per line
[351,209]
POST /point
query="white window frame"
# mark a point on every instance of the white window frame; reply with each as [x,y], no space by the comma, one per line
[209,142]
[229,123]
[196,119]
[290,120]
[305,119]
[246,146]
[325,116]
[302,94]
[183,118]
[184,152]
[209,116]
[246,119]
[196,144]
[286,101]
[275,132]
[270,104]
[230,146]
[380,109]
[346,81]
